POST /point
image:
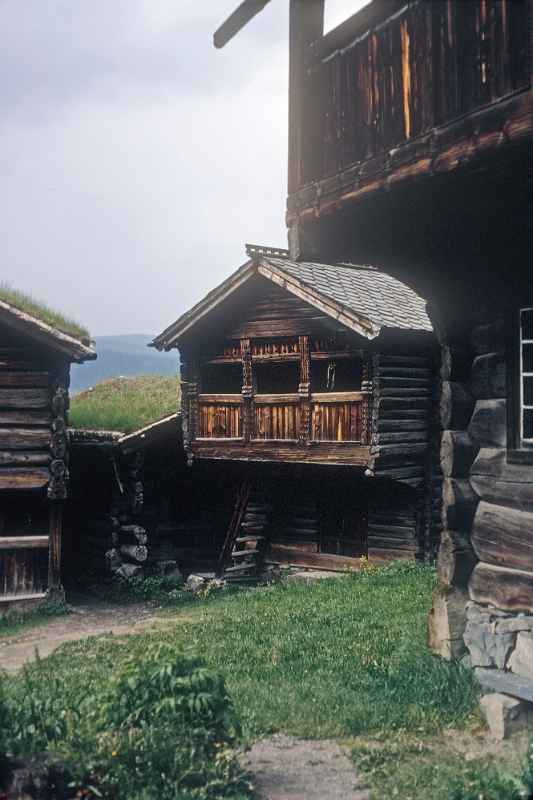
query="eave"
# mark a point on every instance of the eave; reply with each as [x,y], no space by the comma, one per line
[63,344]
[465,144]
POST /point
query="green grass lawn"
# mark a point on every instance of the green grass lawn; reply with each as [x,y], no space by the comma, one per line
[125,404]
[341,658]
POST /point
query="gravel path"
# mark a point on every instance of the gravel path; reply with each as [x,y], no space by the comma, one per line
[284,768]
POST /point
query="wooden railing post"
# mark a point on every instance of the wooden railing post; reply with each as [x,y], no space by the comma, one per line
[304,389]
[54,553]
[247,390]
[366,406]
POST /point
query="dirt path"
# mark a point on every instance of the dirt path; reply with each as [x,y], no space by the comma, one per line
[299,769]
[85,620]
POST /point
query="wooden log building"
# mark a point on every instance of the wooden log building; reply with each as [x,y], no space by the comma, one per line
[316,382]
[34,378]
[411,147]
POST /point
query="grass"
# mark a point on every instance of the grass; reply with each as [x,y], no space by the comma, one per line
[125,404]
[15,622]
[28,304]
[343,658]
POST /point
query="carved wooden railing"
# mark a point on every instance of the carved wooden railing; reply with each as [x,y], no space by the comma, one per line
[220,416]
[276,417]
[416,66]
[340,417]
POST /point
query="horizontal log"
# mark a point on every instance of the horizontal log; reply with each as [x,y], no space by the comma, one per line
[514,495]
[388,554]
[24,438]
[413,471]
[502,536]
[24,398]
[285,554]
[35,380]
[508,589]
[404,361]
[19,458]
[456,406]
[402,404]
[457,454]
[274,399]
[20,478]
[402,436]
[385,543]
[403,449]
[265,452]
[383,372]
[23,417]
[488,426]
[303,546]
[396,425]
[386,381]
[399,412]
[459,504]
[221,399]
[23,542]
[400,392]
[492,462]
[401,531]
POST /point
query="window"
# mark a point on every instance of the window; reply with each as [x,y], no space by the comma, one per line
[221,379]
[525,357]
[281,378]
[336,375]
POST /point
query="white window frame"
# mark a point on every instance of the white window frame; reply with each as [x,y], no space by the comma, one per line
[524,442]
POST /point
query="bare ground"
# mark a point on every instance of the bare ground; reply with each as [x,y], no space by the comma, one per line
[85,620]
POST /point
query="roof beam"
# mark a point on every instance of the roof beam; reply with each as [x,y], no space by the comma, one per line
[242,15]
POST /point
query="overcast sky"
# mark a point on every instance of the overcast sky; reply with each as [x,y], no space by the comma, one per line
[135,159]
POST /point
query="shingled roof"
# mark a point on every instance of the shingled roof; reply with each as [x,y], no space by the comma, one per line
[363,298]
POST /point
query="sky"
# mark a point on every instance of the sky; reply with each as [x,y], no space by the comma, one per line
[135,159]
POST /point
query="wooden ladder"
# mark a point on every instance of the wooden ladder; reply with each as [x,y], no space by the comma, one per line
[242,556]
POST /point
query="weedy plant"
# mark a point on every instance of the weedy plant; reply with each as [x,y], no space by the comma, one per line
[158,726]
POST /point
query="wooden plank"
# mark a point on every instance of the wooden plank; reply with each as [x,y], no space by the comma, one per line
[274,399]
[55,536]
[287,554]
[23,542]
[19,478]
[338,397]
[20,598]
[24,438]
[334,453]
[24,398]
[221,399]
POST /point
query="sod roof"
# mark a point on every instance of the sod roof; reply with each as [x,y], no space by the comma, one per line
[125,404]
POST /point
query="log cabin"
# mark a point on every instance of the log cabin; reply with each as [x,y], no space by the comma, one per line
[35,360]
[411,147]
[316,383]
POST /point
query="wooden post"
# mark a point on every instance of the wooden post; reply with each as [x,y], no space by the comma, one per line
[366,406]
[247,390]
[54,553]
[304,389]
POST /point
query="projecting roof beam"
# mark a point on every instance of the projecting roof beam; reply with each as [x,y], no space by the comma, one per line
[240,17]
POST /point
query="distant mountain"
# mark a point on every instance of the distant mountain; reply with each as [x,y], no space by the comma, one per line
[122,355]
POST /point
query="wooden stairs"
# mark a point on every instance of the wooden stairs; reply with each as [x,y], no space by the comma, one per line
[243,555]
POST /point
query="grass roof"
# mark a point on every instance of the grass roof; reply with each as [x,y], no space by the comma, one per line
[125,404]
[29,305]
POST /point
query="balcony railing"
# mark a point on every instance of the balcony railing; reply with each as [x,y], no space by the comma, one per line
[334,417]
[422,66]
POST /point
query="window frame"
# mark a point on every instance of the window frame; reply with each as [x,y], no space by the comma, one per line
[519,450]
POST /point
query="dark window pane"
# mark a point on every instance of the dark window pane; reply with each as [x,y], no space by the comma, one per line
[527,324]
[341,375]
[221,379]
[528,391]
[528,424]
[277,378]
[527,357]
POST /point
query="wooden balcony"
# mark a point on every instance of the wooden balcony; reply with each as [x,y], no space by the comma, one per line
[326,427]
[389,94]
